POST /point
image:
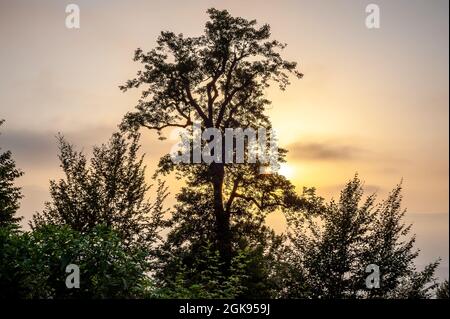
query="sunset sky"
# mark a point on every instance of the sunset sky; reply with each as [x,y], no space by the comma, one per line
[372,101]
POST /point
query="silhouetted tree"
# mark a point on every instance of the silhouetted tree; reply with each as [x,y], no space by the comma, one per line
[9,194]
[329,252]
[442,291]
[111,191]
[217,79]
[392,249]
[417,284]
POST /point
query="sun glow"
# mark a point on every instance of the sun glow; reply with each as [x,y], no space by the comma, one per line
[286,170]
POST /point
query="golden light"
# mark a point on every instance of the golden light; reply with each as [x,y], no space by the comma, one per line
[286,170]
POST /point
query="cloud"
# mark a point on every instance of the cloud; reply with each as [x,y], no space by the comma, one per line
[39,149]
[330,151]
[33,149]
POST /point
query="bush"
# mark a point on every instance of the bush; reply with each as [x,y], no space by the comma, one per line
[34,264]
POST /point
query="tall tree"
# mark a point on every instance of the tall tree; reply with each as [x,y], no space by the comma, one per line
[9,194]
[110,191]
[217,79]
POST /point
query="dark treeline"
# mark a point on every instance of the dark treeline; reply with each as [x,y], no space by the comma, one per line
[214,243]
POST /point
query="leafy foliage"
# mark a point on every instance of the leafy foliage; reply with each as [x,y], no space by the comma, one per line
[35,264]
[442,291]
[9,194]
[217,78]
[110,191]
[202,278]
[329,252]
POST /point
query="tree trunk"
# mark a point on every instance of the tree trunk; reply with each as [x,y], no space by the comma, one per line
[222,218]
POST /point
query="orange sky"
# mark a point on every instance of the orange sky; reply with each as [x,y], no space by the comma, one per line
[372,101]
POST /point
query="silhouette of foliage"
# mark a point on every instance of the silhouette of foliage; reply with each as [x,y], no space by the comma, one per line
[110,191]
[442,291]
[329,252]
[203,277]
[34,263]
[10,195]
